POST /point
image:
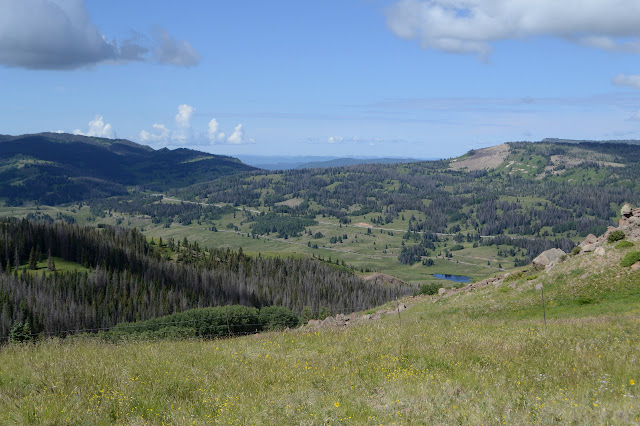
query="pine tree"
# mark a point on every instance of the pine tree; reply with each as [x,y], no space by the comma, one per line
[16,257]
[50,264]
[33,261]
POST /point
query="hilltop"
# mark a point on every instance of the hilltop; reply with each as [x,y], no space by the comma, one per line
[490,210]
[52,168]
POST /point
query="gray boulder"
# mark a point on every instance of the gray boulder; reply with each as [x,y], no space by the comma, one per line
[548,257]
[626,210]
[590,239]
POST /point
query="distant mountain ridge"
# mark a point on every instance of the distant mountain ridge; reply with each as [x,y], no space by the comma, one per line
[347,161]
[579,141]
[289,162]
[54,168]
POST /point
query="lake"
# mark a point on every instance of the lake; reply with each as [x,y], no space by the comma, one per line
[455,278]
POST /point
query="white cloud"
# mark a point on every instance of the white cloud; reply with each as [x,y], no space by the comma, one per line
[97,128]
[183,117]
[470,26]
[335,139]
[214,134]
[168,50]
[160,134]
[237,137]
[58,34]
[627,80]
[184,133]
[635,117]
[183,121]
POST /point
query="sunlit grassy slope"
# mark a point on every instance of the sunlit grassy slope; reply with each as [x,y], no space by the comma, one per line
[481,357]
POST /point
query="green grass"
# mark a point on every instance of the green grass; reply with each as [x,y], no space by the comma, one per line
[61,265]
[479,358]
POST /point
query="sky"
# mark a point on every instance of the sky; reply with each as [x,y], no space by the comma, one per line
[377,78]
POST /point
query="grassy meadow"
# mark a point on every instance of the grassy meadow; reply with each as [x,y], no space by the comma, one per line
[481,357]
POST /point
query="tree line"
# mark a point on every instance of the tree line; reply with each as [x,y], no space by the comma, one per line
[130,279]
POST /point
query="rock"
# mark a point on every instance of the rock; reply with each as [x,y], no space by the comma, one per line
[626,210]
[313,323]
[589,248]
[548,256]
[328,321]
[442,291]
[635,266]
[590,239]
[599,251]
[539,286]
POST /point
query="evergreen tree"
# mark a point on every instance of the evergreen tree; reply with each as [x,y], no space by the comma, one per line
[50,264]
[33,261]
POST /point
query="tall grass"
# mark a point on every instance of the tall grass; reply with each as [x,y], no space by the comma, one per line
[429,369]
[474,358]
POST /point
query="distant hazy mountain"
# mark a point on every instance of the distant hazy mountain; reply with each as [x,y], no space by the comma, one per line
[578,141]
[273,162]
[341,162]
[55,168]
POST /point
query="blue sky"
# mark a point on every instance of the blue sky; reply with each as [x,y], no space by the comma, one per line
[415,78]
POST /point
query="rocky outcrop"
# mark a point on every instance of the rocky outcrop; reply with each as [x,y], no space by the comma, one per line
[548,257]
[343,320]
[629,224]
[590,239]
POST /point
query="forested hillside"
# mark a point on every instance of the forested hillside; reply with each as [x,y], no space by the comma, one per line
[539,190]
[52,168]
[130,279]
[574,189]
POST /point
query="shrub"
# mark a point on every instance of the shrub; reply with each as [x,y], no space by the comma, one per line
[624,244]
[203,322]
[428,289]
[630,258]
[277,318]
[576,250]
[615,236]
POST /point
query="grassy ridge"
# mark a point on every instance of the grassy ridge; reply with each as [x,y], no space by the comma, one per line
[482,357]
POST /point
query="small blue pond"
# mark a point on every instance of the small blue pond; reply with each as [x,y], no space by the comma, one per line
[455,278]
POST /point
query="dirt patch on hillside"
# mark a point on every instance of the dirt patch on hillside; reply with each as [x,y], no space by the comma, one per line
[294,202]
[558,164]
[380,278]
[483,159]
[363,225]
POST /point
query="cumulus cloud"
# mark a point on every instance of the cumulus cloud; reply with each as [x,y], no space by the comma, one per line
[160,134]
[470,26]
[214,134]
[59,35]
[183,117]
[627,80]
[183,123]
[184,132]
[335,139]
[237,137]
[97,128]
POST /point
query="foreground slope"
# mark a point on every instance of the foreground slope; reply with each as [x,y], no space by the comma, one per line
[475,357]
[55,168]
